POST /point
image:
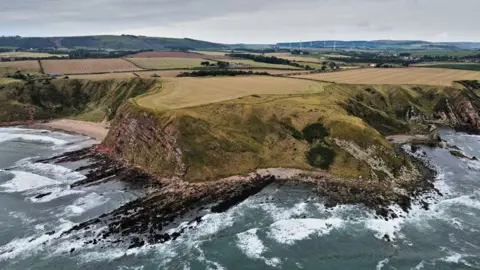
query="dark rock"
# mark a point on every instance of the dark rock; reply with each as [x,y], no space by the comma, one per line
[42,195]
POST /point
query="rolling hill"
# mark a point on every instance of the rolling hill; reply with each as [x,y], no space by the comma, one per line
[123,42]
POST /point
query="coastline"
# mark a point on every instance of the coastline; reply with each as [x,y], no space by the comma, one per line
[94,130]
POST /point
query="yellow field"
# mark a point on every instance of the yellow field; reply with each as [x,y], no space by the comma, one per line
[30,54]
[167,63]
[250,63]
[420,76]
[27,66]
[191,92]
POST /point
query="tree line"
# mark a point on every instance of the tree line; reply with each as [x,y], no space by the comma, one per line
[226,72]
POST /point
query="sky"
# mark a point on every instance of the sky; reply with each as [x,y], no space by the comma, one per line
[247,21]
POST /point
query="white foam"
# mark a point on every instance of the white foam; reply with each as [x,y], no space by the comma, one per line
[23,247]
[289,231]
[23,181]
[50,170]
[84,204]
[31,138]
[253,247]
[382,263]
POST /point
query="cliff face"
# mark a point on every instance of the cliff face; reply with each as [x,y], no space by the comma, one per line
[141,138]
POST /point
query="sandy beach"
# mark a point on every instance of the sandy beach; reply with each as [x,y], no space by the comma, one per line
[95,130]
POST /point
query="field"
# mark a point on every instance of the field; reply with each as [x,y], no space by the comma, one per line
[87,66]
[166,54]
[464,66]
[27,66]
[190,92]
[212,53]
[440,53]
[167,63]
[30,55]
[417,76]
[250,63]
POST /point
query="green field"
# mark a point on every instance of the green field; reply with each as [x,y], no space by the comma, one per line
[440,53]
[457,66]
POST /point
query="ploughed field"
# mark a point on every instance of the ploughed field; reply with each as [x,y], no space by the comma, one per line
[167,62]
[85,66]
[415,76]
[190,92]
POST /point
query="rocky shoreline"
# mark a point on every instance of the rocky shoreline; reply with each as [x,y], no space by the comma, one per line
[155,218]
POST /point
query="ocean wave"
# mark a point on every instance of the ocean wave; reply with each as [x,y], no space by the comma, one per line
[253,247]
[31,138]
[27,246]
[84,204]
[52,171]
[292,230]
[23,181]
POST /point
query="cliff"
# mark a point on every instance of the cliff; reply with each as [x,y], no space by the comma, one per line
[341,130]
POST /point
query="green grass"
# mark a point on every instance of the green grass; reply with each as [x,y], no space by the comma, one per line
[457,66]
[462,53]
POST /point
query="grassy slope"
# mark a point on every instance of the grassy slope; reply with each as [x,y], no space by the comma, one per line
[240,135]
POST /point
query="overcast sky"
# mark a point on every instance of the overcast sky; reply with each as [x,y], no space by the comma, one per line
[247,21]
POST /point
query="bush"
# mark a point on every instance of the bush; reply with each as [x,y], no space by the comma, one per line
[315,132]
[320,157]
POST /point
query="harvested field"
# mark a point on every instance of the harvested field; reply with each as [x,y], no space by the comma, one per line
[30,55]
[31,66]
[212,53]
[167,63]
[417,76]
[86,66]
[166,54]
[122,75]
[245,63]
[190,92]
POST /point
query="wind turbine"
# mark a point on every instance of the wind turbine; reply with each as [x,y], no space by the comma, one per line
[335,46]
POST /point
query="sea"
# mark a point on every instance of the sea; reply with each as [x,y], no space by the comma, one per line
[283,227]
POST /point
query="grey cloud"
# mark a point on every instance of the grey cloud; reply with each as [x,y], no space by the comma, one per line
[255,21]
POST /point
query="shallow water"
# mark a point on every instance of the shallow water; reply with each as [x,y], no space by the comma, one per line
[280,228]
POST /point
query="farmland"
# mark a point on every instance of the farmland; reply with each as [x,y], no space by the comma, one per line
[253,64]
[27,66]
[166,54]
[87,66]
[166,63]
[30,55]
[189,92]
[464,66]
[417,76]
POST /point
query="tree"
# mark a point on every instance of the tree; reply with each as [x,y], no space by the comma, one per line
[332,65]
[205,63]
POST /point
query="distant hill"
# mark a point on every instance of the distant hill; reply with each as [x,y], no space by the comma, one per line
[383,44]
[123,42]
